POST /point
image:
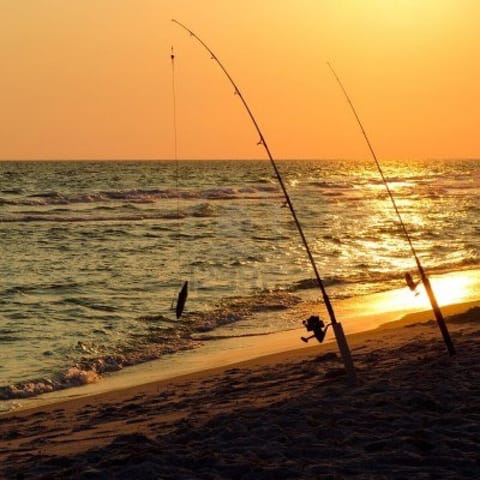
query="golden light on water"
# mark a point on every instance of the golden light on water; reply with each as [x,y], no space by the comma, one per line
[450,289]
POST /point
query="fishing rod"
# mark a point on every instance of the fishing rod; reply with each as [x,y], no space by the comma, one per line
[423,276]
[337,327]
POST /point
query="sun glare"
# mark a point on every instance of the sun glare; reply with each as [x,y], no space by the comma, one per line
[449,291]
[407,11]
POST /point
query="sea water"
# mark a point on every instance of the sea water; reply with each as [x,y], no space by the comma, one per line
[93,254]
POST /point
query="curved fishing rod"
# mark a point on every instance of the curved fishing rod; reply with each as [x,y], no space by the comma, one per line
[425,280]
[263,142]
[340,337]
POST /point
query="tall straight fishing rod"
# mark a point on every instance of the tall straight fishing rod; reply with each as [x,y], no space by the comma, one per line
[423,276]
[337,327]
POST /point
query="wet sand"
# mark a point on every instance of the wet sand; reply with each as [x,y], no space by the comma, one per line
[415,413]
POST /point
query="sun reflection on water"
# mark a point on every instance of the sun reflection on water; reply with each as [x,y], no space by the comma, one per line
[453,288]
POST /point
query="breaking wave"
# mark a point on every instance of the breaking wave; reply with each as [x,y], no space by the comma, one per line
[123,213]
[162,336]
[141,196]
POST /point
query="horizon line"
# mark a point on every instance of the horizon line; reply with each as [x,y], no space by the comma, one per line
[343,159]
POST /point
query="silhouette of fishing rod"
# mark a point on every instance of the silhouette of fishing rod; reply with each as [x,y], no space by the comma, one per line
[423,276]
[337,327]
[183,293]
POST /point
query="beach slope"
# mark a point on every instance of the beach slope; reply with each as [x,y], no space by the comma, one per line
[415,413]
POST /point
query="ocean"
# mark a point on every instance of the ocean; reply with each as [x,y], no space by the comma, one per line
[93,254]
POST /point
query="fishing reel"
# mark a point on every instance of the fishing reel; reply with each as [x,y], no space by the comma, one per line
[317,326]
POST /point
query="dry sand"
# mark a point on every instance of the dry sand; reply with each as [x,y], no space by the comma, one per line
[415,413]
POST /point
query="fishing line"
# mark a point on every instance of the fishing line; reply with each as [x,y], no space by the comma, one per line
[174,104]
[339,335]
[428,288]
[175,141]
[182,295]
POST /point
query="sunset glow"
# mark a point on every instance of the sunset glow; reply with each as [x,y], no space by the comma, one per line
[450,292]
[93,79]
[449,289]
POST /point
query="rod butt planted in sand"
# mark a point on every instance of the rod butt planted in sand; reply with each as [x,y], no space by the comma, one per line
[438,315]
[345,353]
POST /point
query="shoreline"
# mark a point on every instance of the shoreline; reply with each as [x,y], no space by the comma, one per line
[357,314]
[219,355]
[286,415]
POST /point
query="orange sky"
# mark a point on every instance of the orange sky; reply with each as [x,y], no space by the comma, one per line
[92,78]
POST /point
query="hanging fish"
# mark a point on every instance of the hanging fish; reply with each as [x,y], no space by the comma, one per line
[181,300]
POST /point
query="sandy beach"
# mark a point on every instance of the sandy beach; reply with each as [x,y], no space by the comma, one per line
[413,414]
